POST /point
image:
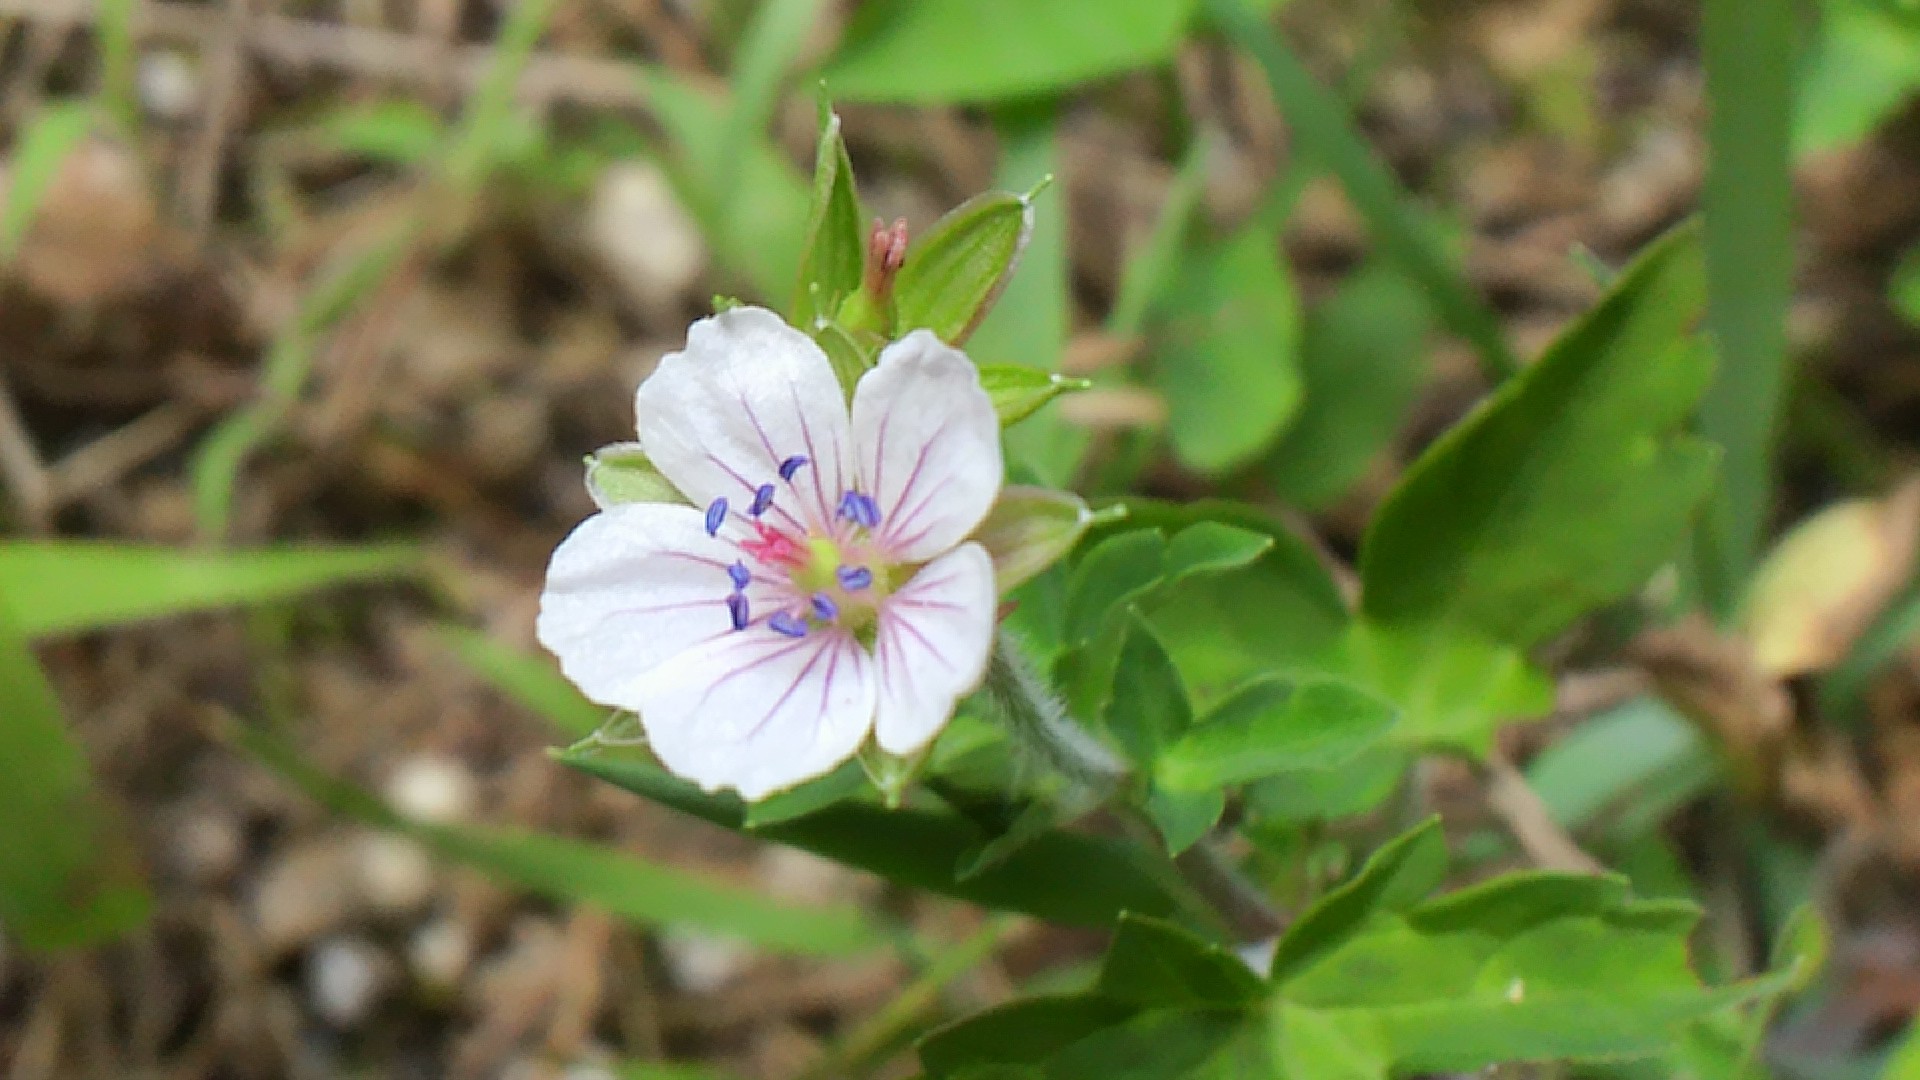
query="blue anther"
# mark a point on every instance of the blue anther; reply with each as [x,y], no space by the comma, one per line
[860,509]
[824,607]
[716,514]
[740,575]
[784,622]
[791,466]
[854,578]
[737,607]
[762,498]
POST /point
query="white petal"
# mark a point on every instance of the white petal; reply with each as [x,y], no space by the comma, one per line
[931,647]
[759,712]
[928,444]
[630,588]
[747,393]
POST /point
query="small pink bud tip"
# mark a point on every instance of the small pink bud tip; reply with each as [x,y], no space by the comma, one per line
[886,254]
[895,255]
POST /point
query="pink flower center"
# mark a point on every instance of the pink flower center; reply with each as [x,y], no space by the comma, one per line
[831,579]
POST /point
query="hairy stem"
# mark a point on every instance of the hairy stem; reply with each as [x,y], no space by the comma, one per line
[1204,878]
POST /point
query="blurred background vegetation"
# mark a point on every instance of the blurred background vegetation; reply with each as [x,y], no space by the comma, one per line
[309,309]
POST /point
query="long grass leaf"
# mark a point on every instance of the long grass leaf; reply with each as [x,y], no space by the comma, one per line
[1327,133]
[1749,242]
[67,874]
[573,871]
[62,587]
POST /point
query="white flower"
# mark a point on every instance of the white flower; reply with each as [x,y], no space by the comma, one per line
[820,589]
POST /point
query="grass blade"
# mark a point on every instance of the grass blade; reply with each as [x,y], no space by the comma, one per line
[1749,242]
[1327,133]
[572,871]
[766,54]
[64,586]
[67,875]
[37,156]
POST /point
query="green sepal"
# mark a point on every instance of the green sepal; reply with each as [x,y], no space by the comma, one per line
[1028,530]
[955,271]
[1018,391]
[851,352]
[832,262]
[621,473]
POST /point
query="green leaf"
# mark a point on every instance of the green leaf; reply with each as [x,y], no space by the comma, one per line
[621,473]
[1153,963]
[1026,1031]
[1362,359]
[65,586]
[1904,1062]
[1326,132]
[956,269]
[51,137]
[1271,726]
[1279,613]
[1228,359]
[398,131]
[1306,796]
[1527,967]
[1328,1045]
[1155,264]
[1149,707]
[1166,1044]
[1028,324]
[1064,877]
[1018,392]
[1395,877]
[1863,66]
[67,870]
[574,872]
[845,782]
[776,32]
[1454,690]
[1605,760]
[834,258]
[1030,529]
[486,123]
[763,232]
[949,51]
[1748,47]
[1570,485]
[1903,288]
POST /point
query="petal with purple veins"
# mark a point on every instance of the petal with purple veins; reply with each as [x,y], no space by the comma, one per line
[931,646]
[632,587]
[928,443]
[746,396]
[759,713]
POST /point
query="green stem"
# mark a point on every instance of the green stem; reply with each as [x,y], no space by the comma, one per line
[1204,881]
